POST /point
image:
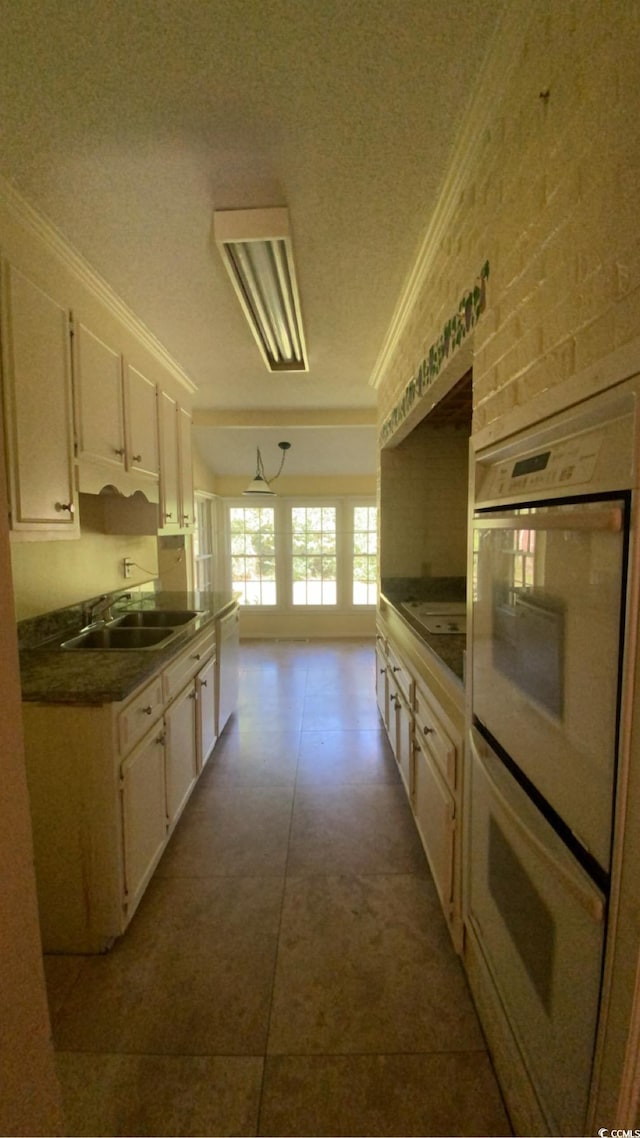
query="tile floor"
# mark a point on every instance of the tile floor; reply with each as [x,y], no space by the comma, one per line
[288,971]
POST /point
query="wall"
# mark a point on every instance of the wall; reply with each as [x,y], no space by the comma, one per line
[52,574]
[423,504]
[544,188]
[30,1097]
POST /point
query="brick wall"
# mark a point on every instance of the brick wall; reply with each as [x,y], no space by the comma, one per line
[550,199]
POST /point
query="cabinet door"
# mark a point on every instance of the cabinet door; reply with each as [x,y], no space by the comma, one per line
[228,653]
[382,687]
[206,704]
[141,419]
[144,818]
[98,398]
[401,734]
[169,470]
[187,514]
[180,752]
[434,809]
[36,361]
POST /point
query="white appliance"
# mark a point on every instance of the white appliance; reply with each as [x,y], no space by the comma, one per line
[550,555]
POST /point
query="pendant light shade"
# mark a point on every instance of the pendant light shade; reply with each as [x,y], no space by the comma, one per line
[259,484]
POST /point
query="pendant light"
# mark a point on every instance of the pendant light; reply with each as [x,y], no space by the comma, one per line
[259,484]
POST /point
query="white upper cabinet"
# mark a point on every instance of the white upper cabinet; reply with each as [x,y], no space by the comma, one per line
[176,471]
[141,423]
[37,399]
[169,469]
[116,417]
[98,398]
[187,508]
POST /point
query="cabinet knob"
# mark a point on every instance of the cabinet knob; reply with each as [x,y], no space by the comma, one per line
[161,739]
[136,458]
[395,669]
[168,514]
[198,656]
[147,710]
[68,506]
[428,730]
[382,671]
[193,695]
[203,683]
[118,450]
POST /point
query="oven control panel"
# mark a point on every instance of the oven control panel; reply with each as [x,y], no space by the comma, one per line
[565,464]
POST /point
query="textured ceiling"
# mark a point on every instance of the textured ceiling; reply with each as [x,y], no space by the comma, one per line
[127,123]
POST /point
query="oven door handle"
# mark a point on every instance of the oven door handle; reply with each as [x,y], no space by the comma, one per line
[609,521]
[561,863]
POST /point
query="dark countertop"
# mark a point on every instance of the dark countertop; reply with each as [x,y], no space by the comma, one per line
[448,649]
[50,674]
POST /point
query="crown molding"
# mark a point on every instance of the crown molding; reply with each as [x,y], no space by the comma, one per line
[52,238]
[499,62]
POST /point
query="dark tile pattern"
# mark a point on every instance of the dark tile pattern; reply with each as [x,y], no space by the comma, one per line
[289,970]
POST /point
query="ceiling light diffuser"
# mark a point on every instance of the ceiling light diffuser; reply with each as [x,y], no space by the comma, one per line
[255,245]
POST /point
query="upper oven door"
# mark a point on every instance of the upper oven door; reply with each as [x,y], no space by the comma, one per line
[547,606]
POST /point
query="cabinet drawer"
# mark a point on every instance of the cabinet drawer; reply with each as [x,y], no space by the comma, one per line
[431,735]
[185,666]
[399,673]
[139,714]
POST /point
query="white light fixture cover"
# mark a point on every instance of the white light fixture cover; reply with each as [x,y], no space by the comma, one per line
[255,245]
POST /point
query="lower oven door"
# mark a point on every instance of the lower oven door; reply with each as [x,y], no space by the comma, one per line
[539,920]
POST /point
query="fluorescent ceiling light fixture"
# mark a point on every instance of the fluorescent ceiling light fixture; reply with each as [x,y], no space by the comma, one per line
[259,484]
[255,245]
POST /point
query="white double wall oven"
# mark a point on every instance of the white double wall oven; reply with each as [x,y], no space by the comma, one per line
[551,596]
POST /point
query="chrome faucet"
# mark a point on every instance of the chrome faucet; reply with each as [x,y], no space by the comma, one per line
[99,609]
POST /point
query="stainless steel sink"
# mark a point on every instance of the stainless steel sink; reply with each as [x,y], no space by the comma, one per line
[116,638]
[154,618]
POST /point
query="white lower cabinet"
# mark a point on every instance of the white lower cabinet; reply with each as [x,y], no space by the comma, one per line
[180,752]
[107,786]
[427,748]
[206,718]
[144,813]
[435,811]
[228,648]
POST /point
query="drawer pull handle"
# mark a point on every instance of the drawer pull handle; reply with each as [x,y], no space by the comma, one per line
[147,710]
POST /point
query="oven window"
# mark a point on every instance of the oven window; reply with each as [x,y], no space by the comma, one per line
[527,917]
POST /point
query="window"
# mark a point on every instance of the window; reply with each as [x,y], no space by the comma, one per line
[294,554]
[314,563]
[253,555]
[365,555]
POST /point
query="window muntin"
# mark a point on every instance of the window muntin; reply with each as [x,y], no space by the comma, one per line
[364,577]
[253,554]
[314,555]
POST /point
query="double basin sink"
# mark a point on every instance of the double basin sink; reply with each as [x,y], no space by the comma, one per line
[135,629]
